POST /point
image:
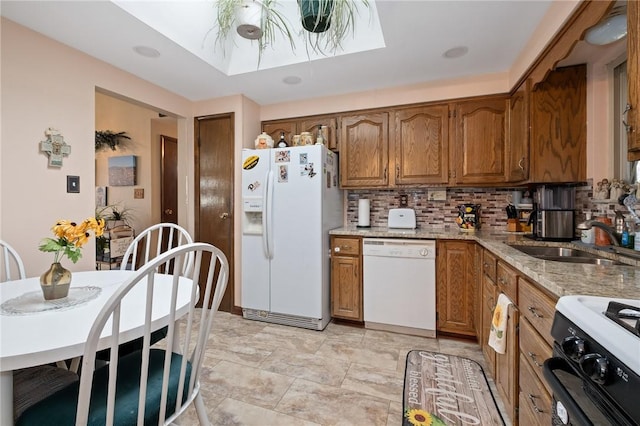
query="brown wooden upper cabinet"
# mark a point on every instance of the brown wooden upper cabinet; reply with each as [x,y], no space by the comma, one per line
[296,126]
[633,75]
[421,145]
[364,150]
[559,127]
[479,154]
[518,147]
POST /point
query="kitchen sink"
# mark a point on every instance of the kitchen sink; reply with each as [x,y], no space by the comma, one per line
[563,254]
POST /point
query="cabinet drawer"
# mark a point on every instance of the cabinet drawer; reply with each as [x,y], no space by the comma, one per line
[507,280]
[534,349]
[533,395]
[489,265]
[537,308]
[345,246]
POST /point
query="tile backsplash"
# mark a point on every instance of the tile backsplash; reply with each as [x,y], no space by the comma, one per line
[442,214]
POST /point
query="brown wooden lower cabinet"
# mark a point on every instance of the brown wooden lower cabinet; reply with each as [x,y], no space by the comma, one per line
[487,304]
[535,402]
[346,278]
[506,371]
[455,272]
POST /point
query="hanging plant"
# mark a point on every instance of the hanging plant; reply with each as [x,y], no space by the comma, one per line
[230,14]
[109,138]
[326,23]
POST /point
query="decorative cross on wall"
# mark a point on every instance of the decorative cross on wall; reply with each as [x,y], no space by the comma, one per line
[55,147]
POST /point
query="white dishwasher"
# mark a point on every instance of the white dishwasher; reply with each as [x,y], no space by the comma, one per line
[399,285]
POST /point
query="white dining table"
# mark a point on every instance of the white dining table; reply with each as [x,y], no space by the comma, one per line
[34,332]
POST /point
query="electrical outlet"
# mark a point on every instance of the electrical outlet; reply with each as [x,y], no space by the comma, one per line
[138,193]
[437,195]
[404,200]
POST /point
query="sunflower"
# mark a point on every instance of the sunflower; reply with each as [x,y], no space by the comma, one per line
[497,314]
[70,237]
[418,417]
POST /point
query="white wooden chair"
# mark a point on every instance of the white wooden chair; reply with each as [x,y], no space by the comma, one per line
[30,385]
[145,387]
[154,241]
[11,263]
[148,245]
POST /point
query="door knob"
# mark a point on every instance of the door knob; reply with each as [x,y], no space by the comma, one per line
[168,211]
[224,215]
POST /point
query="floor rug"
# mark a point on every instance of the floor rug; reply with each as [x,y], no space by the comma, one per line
[442,389]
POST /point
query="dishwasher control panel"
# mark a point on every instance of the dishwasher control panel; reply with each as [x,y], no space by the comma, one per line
[391,247]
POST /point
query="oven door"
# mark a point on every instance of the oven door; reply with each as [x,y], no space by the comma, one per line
[575,400]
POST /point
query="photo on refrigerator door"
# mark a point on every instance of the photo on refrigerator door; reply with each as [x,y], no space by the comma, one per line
[283,156]
[307,170]
[283,174]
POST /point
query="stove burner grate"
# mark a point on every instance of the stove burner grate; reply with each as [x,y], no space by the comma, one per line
[625,315]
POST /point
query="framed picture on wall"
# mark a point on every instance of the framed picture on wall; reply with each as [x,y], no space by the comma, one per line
[101,196]
[122,170]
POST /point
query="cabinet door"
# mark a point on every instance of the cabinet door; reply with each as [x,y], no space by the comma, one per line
[481,141]
[506,375]
[454,288]
[364,150]
[518,143]
[633,76]
[312,124]
[275,128]
[488,303]
[346,288]
[559,127]
[421,144]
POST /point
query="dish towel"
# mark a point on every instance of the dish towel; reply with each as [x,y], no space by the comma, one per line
[498,335]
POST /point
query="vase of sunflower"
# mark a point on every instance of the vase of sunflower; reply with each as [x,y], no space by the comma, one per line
[69,239]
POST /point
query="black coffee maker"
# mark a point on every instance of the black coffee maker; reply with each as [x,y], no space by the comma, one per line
[553,215]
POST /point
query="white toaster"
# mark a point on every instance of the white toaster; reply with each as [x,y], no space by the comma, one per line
[402,218]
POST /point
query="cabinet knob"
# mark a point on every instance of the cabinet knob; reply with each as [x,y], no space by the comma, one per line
[336,249]
[224,215]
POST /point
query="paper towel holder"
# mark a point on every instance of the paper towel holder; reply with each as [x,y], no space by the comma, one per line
[364,213]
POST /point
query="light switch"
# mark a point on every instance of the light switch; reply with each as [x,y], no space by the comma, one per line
[138,193]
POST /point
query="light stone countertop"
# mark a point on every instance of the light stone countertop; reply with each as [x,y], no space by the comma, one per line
[558,278]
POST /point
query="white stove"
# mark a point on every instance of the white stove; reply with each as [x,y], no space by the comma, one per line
[595,371]
[590,314]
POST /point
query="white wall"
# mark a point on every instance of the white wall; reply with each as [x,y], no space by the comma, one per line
[46,84]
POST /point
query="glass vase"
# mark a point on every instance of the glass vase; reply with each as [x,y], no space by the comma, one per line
[55,282]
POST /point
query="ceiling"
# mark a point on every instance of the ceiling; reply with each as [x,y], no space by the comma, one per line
[415,34]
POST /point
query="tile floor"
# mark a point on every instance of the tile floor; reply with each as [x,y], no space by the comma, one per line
[257,373]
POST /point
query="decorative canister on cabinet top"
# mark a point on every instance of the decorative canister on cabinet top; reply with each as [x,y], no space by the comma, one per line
[468,217]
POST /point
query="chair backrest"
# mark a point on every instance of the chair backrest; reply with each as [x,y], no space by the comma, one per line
[187,338]
[154,241]
[11,266]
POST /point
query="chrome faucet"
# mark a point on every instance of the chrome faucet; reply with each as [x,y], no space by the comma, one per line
[610,231]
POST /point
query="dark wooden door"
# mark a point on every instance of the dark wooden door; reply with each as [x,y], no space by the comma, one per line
[169,179]
[214,189]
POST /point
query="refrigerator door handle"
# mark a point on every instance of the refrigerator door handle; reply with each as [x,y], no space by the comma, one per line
[267,225]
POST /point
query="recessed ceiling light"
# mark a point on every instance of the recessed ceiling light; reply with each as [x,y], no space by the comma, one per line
[292,79]
[456,52]
[146,51]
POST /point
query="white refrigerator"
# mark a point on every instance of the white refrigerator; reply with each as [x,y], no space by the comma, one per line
[291,200]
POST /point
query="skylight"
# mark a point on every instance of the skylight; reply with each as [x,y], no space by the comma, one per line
[191,24]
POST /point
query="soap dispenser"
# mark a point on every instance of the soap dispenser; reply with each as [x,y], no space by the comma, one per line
[587,236]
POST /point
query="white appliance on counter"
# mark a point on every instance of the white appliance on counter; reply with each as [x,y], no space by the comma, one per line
[399,285]
[291,200]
